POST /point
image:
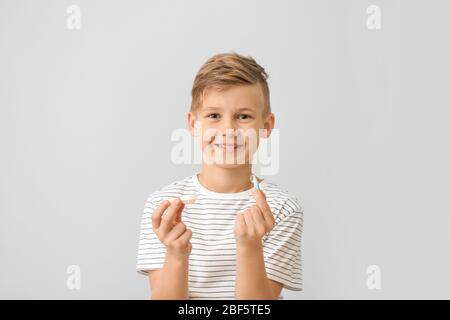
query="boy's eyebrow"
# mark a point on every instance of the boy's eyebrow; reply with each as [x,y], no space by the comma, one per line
[218,108]
[246,109]
[211,108]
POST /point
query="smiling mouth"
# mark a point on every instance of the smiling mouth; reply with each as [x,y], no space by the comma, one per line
[227,146]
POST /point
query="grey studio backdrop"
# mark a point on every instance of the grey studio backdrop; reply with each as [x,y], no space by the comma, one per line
[86,117]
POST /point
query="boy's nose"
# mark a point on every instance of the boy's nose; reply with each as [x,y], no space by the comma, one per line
[227,133]
[227,125]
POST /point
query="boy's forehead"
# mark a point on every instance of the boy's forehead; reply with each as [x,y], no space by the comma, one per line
[248,97]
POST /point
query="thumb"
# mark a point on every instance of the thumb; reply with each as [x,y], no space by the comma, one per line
[177,217]
[258,193]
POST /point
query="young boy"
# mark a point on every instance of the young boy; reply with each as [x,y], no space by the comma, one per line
[235,241]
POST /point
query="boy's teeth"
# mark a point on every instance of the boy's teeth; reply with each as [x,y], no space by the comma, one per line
[226,145]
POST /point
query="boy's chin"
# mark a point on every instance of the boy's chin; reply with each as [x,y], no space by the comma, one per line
[229,166]
[227,163]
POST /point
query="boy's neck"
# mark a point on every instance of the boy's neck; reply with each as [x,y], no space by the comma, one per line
[226,180]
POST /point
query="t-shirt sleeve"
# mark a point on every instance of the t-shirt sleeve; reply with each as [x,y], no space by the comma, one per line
[151,251]
[282,246]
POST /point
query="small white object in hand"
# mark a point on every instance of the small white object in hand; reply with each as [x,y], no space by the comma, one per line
[185,199]
[188,199]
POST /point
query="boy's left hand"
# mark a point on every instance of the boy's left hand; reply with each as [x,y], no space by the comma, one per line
[255,222]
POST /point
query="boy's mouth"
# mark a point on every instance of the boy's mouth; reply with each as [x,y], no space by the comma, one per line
[224,146]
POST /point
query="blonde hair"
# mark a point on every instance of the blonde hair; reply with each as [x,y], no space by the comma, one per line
[229,69]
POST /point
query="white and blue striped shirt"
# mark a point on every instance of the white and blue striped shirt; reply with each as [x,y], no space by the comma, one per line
[212,262]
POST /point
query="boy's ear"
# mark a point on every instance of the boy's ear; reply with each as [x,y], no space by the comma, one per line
[193,127]
[269,123]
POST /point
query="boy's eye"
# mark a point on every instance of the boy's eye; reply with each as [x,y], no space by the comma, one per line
[244,116]
[213,115]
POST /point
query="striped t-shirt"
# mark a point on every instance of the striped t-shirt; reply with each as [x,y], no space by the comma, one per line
[212,262]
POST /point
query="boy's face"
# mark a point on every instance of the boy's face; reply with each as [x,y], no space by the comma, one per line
[230,122]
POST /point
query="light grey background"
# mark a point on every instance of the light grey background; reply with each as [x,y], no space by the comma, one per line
[86,117]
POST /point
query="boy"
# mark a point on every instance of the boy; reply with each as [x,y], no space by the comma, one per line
[235,241]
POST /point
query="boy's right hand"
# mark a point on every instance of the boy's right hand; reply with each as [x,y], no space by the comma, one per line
[170,230]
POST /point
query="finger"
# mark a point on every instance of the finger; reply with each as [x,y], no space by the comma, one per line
[158,212]
[185,237]
[249,220]
[189,199]
[262,204]
[258,219]
[240,218]
[239,224]
[177,218]
[177,215]
[168,219]
[175,232]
